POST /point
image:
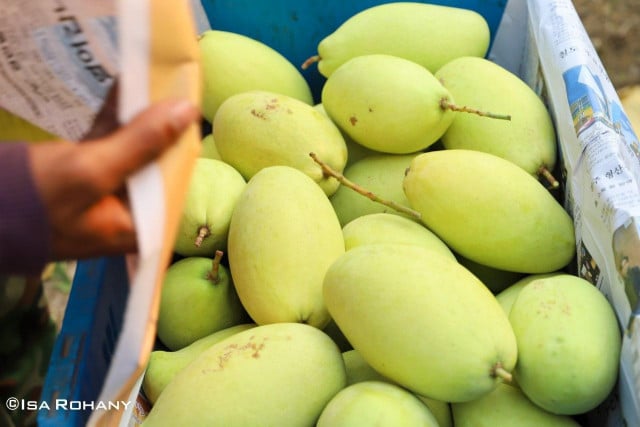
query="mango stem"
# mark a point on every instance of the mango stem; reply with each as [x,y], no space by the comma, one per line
[446,105]
[202,233]
[312,59]
[499,371]
[328,171]
[544,172]
[214,274]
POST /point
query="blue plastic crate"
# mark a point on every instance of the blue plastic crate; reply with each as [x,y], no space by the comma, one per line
[82,352]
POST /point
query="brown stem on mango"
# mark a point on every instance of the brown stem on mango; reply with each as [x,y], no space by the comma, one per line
[202,233]
[311,60]
[214,275]
[544,172]
[446,105]
[499,371]
[326,169]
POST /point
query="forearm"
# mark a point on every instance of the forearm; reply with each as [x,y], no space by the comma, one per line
[24,228]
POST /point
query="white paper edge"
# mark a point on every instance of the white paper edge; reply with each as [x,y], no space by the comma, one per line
[510,39]
[127,419]
[147,205]
[200,17]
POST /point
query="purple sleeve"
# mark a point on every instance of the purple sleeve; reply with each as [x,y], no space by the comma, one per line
[24,227]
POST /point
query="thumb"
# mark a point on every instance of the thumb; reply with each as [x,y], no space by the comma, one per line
[142,140]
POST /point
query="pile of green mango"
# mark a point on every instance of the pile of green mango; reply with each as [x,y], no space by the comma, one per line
[396,254]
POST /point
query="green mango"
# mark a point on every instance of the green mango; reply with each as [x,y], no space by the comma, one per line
[163,365]
[284,234]
[387,228]
[421,319]
[506,406]
[213,192]
[381,175]
[209,150]
[355,151]
[528,139]
[440,410]
[281,374]
[234,63]
[371,403]
[490,211]
[494,279]
[257,129]
[430,35]
[508,296]
[387,104]
[358,370]
[197,299]
[568,344]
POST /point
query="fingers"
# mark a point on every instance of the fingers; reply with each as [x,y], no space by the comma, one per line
[106,228]
[114,158]
[80,184]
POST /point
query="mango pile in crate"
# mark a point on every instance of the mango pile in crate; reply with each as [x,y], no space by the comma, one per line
[394,255]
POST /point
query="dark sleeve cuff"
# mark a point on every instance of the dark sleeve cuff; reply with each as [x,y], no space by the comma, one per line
[24,227]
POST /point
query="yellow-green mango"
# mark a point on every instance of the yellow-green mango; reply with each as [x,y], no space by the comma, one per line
[209,149]
[507,296]
[375,403]
[387,228]
[15,128]
[493,278]
[281,374]
[355,151]
[234,63]
[421,319]
[440,410]
[197,299]
[358,370]
[528,139]
[257,129]
[164,365]
[283,236]
[380,174]
[213,191]
[430,35]
[491,211]
[506,406]
[568,344]
[388,104]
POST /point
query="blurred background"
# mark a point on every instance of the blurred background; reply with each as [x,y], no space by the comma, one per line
[614,28]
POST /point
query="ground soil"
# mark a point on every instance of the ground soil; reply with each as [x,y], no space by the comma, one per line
[614,28]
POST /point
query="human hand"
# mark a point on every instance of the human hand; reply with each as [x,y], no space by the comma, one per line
[82,185]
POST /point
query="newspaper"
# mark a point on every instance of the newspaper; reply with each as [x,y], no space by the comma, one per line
[61,63]
[60,59]
[600,156]
[58,62]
